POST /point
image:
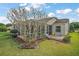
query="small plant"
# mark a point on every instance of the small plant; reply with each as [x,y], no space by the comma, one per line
[66,39]
[53,33]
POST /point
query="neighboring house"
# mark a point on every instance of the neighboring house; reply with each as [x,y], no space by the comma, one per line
[43,27]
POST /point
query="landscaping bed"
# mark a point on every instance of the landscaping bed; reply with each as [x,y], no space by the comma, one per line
[24,44]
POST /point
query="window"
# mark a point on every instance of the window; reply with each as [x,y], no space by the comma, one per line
[49,29]
[58,28]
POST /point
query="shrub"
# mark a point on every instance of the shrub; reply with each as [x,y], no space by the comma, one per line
[66,39]
[53,33]
[3,27]
[14,33]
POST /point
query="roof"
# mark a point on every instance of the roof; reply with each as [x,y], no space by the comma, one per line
[53,20]
[49,20]
[56,20]
[62,21]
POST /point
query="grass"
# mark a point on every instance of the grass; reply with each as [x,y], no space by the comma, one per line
[8,47]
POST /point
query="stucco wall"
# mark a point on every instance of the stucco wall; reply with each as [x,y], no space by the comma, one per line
[64,28]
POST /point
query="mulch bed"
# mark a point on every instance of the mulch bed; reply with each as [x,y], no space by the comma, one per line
[27,45]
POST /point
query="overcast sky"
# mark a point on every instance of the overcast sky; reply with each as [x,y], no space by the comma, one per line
[60,10]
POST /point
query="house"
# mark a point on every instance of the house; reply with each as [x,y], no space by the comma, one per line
[41,28]
[59,27]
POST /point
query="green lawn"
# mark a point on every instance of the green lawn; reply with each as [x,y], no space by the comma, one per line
[46,48]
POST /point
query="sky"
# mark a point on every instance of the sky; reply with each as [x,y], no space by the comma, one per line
[59,10]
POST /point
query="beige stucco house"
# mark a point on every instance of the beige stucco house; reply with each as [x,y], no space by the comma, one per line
[43,27]
[59,27]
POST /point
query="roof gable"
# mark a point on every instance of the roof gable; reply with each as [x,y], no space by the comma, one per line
[50,22]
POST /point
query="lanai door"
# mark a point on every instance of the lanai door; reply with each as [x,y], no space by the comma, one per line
[50,29]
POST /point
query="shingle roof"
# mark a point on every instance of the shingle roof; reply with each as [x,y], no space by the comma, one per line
[55,20]
[50,20]
[62,21]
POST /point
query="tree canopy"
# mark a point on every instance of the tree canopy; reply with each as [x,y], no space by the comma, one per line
[23,14]
[3,27]
[8,25]
[74,26]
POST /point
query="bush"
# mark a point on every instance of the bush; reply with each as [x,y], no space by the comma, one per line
[3,27]
[66,39]
[14,33]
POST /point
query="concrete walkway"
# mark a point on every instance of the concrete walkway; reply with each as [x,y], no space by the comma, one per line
[60,38]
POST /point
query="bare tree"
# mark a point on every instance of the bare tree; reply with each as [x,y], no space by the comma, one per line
[19,16]
[37,14]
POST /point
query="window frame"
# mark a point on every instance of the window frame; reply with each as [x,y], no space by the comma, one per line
[58,28]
